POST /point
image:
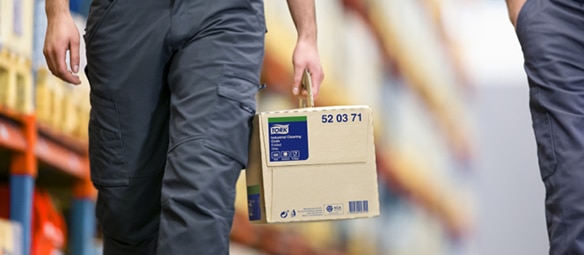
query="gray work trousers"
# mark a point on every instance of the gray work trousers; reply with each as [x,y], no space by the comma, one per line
[173,86]
[551,33]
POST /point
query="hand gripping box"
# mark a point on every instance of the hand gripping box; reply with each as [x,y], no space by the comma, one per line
[312,164]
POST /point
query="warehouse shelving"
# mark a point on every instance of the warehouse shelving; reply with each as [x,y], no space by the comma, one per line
[36,147]
[29,147]
[442,94]
[445,106]
[435,10]
[403,171]
[11,136]
[65,158]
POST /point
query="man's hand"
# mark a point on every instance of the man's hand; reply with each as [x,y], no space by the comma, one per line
[513,7]
[62,35]
[305,56]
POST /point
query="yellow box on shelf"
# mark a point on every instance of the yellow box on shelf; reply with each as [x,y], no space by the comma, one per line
[80,130]
[69,113]
[82,107]
[43,96]
[16,26]
[49,97]
[56,118]
[62,107]
[82,121]
[16,82]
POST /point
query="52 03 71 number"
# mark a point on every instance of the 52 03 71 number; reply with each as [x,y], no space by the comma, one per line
[341,117]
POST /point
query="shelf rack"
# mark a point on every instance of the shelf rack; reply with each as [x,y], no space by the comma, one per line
[31,144]
[28,145]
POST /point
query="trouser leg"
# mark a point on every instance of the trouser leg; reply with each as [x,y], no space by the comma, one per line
[551,33]
[213,80]
[128,134]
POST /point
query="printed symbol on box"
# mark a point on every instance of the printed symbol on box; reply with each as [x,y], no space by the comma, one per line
[332,209]
[285,155]
[295,154]
[293,214]
[275,154]
[284,214]
[329,208]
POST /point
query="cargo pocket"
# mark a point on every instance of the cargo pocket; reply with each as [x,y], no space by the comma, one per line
[106,155]
[230,124]
[98,12]
[545,145]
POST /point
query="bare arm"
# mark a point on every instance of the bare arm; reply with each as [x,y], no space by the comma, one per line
[305,54]
[62,35]
[513,7]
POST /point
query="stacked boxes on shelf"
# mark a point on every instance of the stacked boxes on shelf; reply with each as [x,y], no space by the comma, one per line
[48,94]
[15,82]
[15,55]
[62,107]
[79,107]
[32,98]
[16,28]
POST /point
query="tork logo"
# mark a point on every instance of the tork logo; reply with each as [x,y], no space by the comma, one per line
[279,129]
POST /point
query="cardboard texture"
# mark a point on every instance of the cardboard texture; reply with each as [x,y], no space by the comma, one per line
[312,164]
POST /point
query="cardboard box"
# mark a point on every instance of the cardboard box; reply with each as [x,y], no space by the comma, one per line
[16,85]
[312,164]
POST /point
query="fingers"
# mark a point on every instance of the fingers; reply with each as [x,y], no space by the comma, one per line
[62,35]
[56,61]
[316,76]
[74,55]
[62,71]
[298,70]
[305,57]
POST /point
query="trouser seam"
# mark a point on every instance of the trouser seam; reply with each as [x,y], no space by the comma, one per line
[185,140]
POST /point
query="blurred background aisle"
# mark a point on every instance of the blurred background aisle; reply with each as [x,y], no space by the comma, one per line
[455,151]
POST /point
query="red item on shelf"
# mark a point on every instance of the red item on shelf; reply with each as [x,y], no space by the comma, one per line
[49,231]
[49,228]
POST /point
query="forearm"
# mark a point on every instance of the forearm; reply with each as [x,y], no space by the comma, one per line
[513,7]
[56,8]
[304,17]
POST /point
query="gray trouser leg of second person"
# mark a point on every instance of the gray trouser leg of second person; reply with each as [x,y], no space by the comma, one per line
[551,33]
[173,86]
